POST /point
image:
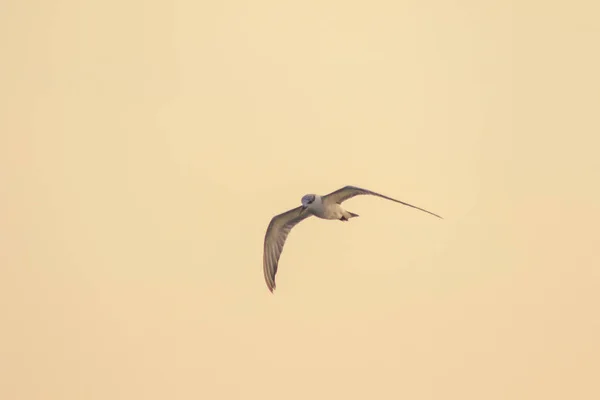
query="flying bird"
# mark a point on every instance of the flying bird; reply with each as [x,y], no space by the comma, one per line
[324,207]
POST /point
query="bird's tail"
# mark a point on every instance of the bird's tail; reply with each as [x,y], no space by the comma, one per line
[347,215]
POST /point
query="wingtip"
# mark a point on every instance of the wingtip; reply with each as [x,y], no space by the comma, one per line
[434,214]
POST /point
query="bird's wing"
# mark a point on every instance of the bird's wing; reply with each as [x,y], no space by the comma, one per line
[348,192]
[277,233]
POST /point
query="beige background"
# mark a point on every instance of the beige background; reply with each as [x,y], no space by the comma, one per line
[145,145]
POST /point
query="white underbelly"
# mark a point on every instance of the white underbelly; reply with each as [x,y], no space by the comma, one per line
[333,211]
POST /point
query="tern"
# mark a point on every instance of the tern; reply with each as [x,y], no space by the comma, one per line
[324,207]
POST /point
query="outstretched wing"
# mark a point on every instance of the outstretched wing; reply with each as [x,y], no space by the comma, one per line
[277,233]
[348,192]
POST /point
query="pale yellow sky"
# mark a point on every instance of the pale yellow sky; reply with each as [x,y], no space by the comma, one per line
[144,146]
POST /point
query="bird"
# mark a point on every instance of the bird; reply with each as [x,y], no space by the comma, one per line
[326,207]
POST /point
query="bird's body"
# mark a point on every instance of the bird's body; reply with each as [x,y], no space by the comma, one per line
[324,207]
[328,210]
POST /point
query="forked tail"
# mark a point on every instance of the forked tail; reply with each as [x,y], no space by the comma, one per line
[347,215]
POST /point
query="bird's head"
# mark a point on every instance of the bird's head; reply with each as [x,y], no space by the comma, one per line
[307,200]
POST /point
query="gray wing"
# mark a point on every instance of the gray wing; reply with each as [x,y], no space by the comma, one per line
[277,232]
[348,192]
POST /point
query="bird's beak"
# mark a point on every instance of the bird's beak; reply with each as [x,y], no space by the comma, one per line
[302,210]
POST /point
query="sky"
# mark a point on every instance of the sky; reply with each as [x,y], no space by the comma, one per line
[144,147]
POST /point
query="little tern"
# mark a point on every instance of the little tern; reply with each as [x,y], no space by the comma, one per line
[324,207]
